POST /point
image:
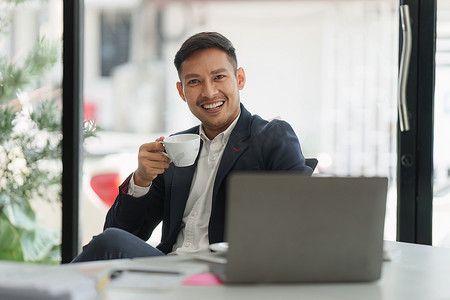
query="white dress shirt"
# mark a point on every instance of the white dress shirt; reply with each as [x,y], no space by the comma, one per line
[193,236]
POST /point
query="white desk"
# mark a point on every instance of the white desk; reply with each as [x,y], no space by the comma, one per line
[419,272]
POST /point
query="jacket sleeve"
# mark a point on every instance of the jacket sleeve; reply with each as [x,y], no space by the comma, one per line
[139,216]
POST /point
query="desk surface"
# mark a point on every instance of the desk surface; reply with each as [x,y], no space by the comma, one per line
[418,272]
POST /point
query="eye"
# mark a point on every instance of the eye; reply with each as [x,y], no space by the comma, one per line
[219,77]
[193,81]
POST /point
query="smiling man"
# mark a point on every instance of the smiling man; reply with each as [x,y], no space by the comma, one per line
[210,84]
[190,201]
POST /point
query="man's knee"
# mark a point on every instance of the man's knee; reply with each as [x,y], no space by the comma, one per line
[115,243]
[110,238]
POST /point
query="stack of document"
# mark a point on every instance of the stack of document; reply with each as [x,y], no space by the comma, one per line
[32,281]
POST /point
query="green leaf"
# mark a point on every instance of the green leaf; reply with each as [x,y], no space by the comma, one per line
[40,59]
[53,256]
[6,127]
[43,56]
[40,244]
[10,247]
[21,215]
[48,116]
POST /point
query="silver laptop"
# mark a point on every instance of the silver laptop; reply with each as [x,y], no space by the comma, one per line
[286,228]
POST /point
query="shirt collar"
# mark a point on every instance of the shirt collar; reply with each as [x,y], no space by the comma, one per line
[224,135]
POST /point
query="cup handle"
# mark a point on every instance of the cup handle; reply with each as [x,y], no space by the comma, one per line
[164,152]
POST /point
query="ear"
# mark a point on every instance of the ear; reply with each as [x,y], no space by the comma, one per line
[180,91]
[240,75]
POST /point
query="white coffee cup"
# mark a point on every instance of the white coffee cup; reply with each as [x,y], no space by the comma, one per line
[182,149]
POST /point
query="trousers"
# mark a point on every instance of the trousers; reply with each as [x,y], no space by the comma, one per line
[115,243]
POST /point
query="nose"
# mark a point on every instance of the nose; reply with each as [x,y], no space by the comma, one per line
[209,89]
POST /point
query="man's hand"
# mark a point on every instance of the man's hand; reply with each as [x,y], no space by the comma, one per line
[151,162]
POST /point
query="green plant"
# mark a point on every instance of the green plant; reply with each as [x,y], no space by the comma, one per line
[14,77]
[30,148]
[30,151]
[30,170]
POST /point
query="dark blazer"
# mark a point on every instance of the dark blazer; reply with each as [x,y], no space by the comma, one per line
[254,144]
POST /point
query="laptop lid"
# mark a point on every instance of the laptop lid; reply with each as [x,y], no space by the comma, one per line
[285,227]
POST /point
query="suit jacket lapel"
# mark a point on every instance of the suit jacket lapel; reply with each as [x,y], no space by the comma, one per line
[236,146]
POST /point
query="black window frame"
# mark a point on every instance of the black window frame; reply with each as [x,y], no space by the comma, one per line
[415,147]
[73,42]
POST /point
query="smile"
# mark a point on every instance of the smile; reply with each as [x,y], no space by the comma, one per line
[209,106]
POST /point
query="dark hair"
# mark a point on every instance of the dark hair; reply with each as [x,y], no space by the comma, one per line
[205,40]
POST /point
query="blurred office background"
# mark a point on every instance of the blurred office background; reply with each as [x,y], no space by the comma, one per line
[327,67]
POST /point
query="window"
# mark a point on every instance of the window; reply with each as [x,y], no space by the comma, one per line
[441,201]
[30,139]
[329,68]
[115,40]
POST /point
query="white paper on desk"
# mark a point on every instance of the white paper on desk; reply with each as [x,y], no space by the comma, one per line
[32,281]
[146,281]
[154,280]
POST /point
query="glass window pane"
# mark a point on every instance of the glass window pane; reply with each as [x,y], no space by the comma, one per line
[327,67]
[30,126]
[441,200]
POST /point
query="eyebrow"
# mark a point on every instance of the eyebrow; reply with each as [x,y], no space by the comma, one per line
[214,72]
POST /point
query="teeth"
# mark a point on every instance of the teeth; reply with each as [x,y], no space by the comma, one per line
[212,105]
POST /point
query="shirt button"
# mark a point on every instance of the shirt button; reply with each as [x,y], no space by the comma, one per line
[187,244]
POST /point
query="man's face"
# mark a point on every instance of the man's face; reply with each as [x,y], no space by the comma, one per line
[210,87]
